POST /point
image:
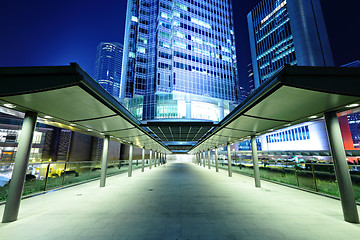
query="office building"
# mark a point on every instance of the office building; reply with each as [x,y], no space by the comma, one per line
[251,77]
[287,32]
[179,59]
[108,67]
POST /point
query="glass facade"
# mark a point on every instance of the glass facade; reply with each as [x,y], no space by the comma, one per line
[108,67]
[287,32]
[273,40]
[177,55]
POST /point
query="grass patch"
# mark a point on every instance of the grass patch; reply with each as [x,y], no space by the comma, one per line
[325,181]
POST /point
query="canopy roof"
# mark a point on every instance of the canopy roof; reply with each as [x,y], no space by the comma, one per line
[293,95]
[68,97]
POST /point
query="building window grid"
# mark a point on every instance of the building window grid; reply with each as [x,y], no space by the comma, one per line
[273,61]
[222,71]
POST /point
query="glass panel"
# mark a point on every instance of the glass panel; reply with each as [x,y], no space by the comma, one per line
[5,176]
[325,179]
[306,176]
[355,177]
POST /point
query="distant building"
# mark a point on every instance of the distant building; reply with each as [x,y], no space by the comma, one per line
[179,59]
[243,94]
[251,77]
[108,67]
[287,32]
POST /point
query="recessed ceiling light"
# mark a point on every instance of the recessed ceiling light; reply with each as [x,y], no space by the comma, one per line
[312,117]
[89,130]
[270,130]
[48,117]
[102,133]
[9,105]
[352,105]
[288,124]
[72,124]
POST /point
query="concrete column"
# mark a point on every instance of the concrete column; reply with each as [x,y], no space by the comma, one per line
[21,164]
[341,168]
[150,159]
[130,160]
[255,161]
[209,166]
[156,157]
[204,159]
[104,159]
[143,160]
[229,160]
[216,159]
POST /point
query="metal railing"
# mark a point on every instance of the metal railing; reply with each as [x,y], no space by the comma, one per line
[317,177]
[45,176]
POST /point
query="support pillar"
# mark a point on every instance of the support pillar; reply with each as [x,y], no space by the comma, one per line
[21,163]
[130,160]
[209,166]
[346,191]
[229,160]
[143,160]
[204,159]
[216,159]
[104,159]
[150,159]
[199,158]
[156,157]
[255,161]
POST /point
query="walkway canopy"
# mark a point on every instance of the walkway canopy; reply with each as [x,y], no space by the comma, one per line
[68,97]
[293,95]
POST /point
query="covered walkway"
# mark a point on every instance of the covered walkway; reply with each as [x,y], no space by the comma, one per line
[179,201]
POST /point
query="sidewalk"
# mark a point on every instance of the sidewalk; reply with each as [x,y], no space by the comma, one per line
[179,201]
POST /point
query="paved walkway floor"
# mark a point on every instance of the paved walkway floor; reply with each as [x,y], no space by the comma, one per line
[179,201]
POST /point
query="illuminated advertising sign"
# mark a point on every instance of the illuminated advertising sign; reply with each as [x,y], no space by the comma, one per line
[309,136]
[350,130]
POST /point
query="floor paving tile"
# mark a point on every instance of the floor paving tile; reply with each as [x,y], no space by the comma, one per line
[186,202]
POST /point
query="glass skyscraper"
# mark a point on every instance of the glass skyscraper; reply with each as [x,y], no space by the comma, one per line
[287,32]
[108,66]
[179,59]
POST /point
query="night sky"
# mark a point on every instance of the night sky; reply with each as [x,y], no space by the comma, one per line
[50,33]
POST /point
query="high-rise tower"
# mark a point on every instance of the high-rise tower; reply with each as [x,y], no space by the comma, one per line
[287,32]
[108,66]
[179,59]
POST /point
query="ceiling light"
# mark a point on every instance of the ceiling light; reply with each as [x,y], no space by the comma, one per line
[89,130]
[102,133]
[287,125]
[352,105]
[270,130]
[312,117]
[9,105]
[48,117]
[72,124]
